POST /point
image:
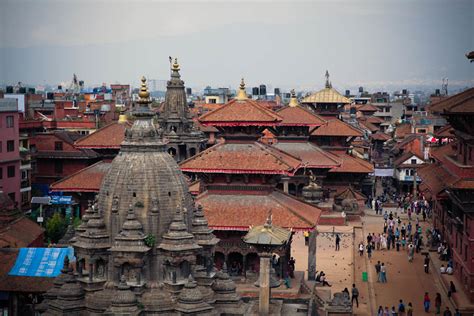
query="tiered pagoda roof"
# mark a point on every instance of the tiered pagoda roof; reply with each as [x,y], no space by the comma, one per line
[368,108]
[241,111]
[326,95]
[240,211]
[459,103]
[242,157]
[351,164]
[311,155]
[296,115]
[336,127]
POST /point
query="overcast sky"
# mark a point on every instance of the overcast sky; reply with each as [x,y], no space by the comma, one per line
[285,44]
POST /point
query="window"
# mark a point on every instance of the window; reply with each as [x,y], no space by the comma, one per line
[413,161]
[58,145]
[10,145]
[58,166]
[33,149]
[212,101]
[12,196]
[1,173]
[10,121]
[1,147]
[11,171]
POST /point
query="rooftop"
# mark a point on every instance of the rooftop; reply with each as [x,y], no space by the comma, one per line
[336,127]
[311,155]
[109,136]
[85,180]
[236,157]
[459,103]
[299,116]
[239,212]
[326,95]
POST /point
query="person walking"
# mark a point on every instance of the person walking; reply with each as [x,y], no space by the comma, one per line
[410,309]
[427,264]
[438,304]
[369,251]
[355,295]
[380,311]
[426,302]
[377,269]
[411,252]
[401,307]
[361,249]
[338,240]
[383,273]
[447,312]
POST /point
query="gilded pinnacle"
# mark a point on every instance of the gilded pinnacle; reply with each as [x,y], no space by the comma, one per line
[175,66]
[144,94]
[293,99]
[241,94]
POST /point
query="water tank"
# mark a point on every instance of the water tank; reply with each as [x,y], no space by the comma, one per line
[31,90]
[255,91]
[277,91]
[361,89]
[348,93]
[50,96]
[263,89]
[404,91]
[437,92]
[189,91]
[60,87]
[105,108]
[22,90]
[9,89]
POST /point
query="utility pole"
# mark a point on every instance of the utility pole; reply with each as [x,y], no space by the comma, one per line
[414,183]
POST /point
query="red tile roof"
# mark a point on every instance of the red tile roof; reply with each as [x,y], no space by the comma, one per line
[368,108]
[406,156]
[22,232]
[311,155]
[375,120]
[241,113]
[364,124]
[403,130]
[336,127]
[445,132]
[109,136]
[350,164]
[237,157]
[239,211]
[380,136]
[435,177]
[463,184]
[299,116]
[22,284]
[459,103]
[85,180]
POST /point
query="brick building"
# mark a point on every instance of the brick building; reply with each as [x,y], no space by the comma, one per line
[10,176]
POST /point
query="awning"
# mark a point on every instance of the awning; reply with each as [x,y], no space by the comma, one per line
[40,262]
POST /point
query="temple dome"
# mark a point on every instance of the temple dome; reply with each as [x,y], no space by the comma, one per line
[144,174]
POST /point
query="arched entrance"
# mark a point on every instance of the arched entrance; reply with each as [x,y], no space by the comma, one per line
[235,264]
[219,259]
[253,262]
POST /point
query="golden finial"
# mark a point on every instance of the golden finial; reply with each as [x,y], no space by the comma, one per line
[175,66]
[144,94]
[241,94]
[293,99]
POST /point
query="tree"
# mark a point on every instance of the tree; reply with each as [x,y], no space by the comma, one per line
[55,228]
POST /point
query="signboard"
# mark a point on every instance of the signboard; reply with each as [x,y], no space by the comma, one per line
[40,262]
[39,219]
[61,199]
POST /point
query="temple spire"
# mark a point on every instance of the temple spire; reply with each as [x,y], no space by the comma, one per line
[293,99]
[175,69]
[328,84]
[241,94]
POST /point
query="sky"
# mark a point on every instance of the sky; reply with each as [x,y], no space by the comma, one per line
[287,44]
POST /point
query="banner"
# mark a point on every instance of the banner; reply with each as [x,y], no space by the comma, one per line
[41,262]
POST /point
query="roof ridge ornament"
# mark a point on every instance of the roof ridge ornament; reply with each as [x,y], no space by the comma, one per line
[241,94]
[328,84]
[293,99]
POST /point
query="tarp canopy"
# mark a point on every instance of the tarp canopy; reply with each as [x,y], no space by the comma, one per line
[41,262]
[385,172]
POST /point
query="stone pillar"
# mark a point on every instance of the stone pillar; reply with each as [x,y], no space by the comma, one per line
[285,184]
[244,265]
[91,271]
[264,298]
[79,270]
[312,256]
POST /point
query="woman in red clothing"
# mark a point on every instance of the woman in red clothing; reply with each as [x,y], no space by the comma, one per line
[426,302]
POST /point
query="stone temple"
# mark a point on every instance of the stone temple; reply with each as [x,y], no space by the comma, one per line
[143,247]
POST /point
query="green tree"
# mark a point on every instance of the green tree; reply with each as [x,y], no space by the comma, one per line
[55,227]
